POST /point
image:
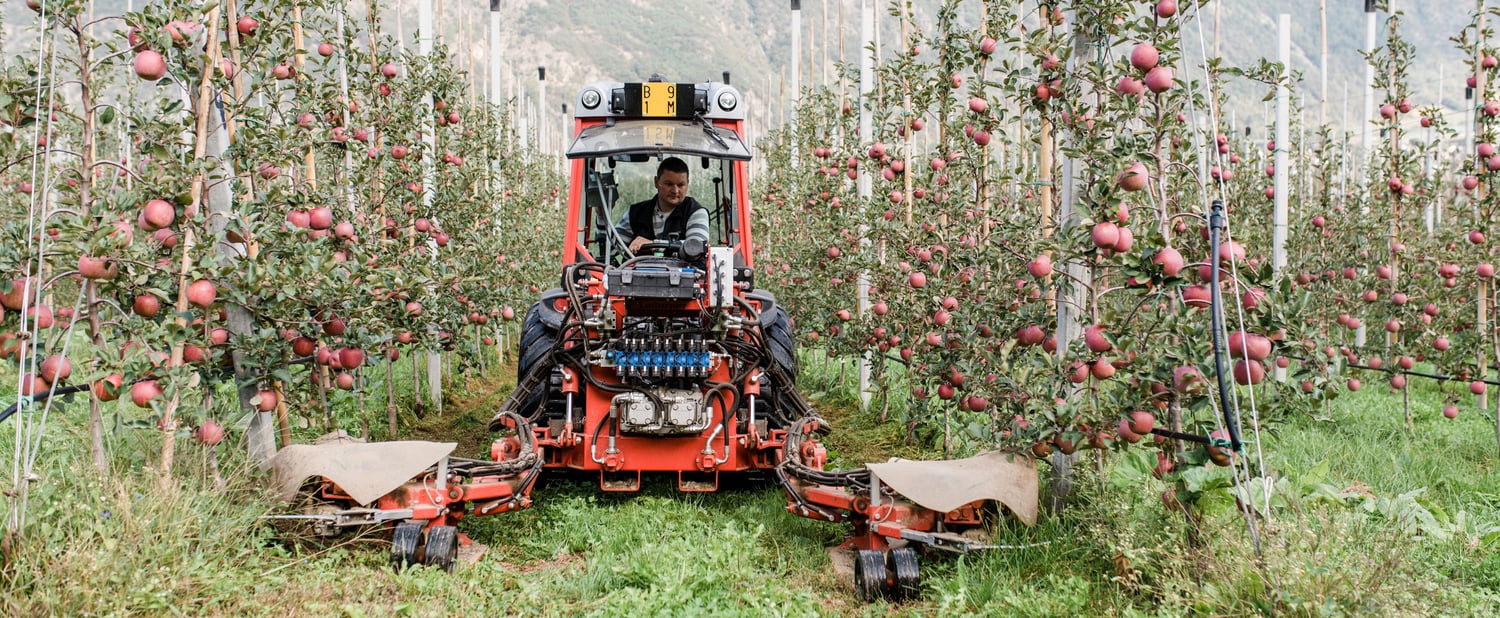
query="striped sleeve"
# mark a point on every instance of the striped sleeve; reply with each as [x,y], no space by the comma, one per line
[697,224]
[623,227]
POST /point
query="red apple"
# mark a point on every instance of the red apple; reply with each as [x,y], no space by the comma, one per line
[351,358]
[1144,57]
[1187,379]
[1040,267]
[209,433]
[1105,234]
[1134,177]
[1197,296]
[90,267]
[1159,79]
[1125,241]
[246,25]
[1248,371]
[1170,260]
[55,368]
[1141,421]
[1030,335]
[1249,345]
[320,218]
[141,393]
[146,305]
[1130,86]
[202,293]
[150,65]
[108,387]
[1095,340]
[156,215]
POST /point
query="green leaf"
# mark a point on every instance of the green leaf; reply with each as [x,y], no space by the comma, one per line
[1133,470]
[1199,479]
[1317,475]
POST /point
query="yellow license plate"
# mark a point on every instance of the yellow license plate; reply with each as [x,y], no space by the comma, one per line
[658,99]
[658,134]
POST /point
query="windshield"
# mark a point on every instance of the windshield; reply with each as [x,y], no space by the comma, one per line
[659,137]
[613,183]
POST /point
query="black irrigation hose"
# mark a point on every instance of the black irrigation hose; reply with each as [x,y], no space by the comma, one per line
[1177,435]
[1216,312]
[1440,378]
[1421,374]
[65,390]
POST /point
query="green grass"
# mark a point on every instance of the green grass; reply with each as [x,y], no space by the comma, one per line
[121,545]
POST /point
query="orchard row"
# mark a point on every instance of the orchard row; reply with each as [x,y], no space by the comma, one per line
[213,193]
[1036,236]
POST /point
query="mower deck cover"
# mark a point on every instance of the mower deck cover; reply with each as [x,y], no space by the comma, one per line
[943,486]
[365,471]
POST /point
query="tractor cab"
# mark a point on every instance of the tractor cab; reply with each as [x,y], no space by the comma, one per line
[623,132]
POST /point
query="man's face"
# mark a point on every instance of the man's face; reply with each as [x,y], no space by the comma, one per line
[672,187]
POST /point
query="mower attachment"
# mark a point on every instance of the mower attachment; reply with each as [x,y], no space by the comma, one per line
[416,487]
[939,504]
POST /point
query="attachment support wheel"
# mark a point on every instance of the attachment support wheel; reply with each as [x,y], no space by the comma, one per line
[404,541]
[442,547]
[905,569]
[869,575]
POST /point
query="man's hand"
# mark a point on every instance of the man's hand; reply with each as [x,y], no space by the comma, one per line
[635,245]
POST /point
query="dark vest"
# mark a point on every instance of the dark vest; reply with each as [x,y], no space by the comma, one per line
[641,213]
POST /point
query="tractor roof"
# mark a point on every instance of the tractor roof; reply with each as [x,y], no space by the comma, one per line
[631,100]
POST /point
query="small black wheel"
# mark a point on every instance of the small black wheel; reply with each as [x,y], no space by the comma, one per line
[869,575]
[905,571]
[442,547]
[404,541]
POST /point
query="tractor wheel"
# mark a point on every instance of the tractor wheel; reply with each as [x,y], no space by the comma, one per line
[869,575]
[903,566]
[404,542]
[536,339]
[532,326]
[442,547]
[778,332]
[783,348]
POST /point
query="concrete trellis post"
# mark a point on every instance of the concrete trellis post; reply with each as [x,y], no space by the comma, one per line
[796,70]
[1283,100]
[866,120]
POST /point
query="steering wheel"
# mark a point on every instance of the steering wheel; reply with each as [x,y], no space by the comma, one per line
[662,248]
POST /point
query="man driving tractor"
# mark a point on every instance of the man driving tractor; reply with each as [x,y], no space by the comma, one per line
[671,213]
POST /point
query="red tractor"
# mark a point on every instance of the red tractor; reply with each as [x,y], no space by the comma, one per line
[662,359]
